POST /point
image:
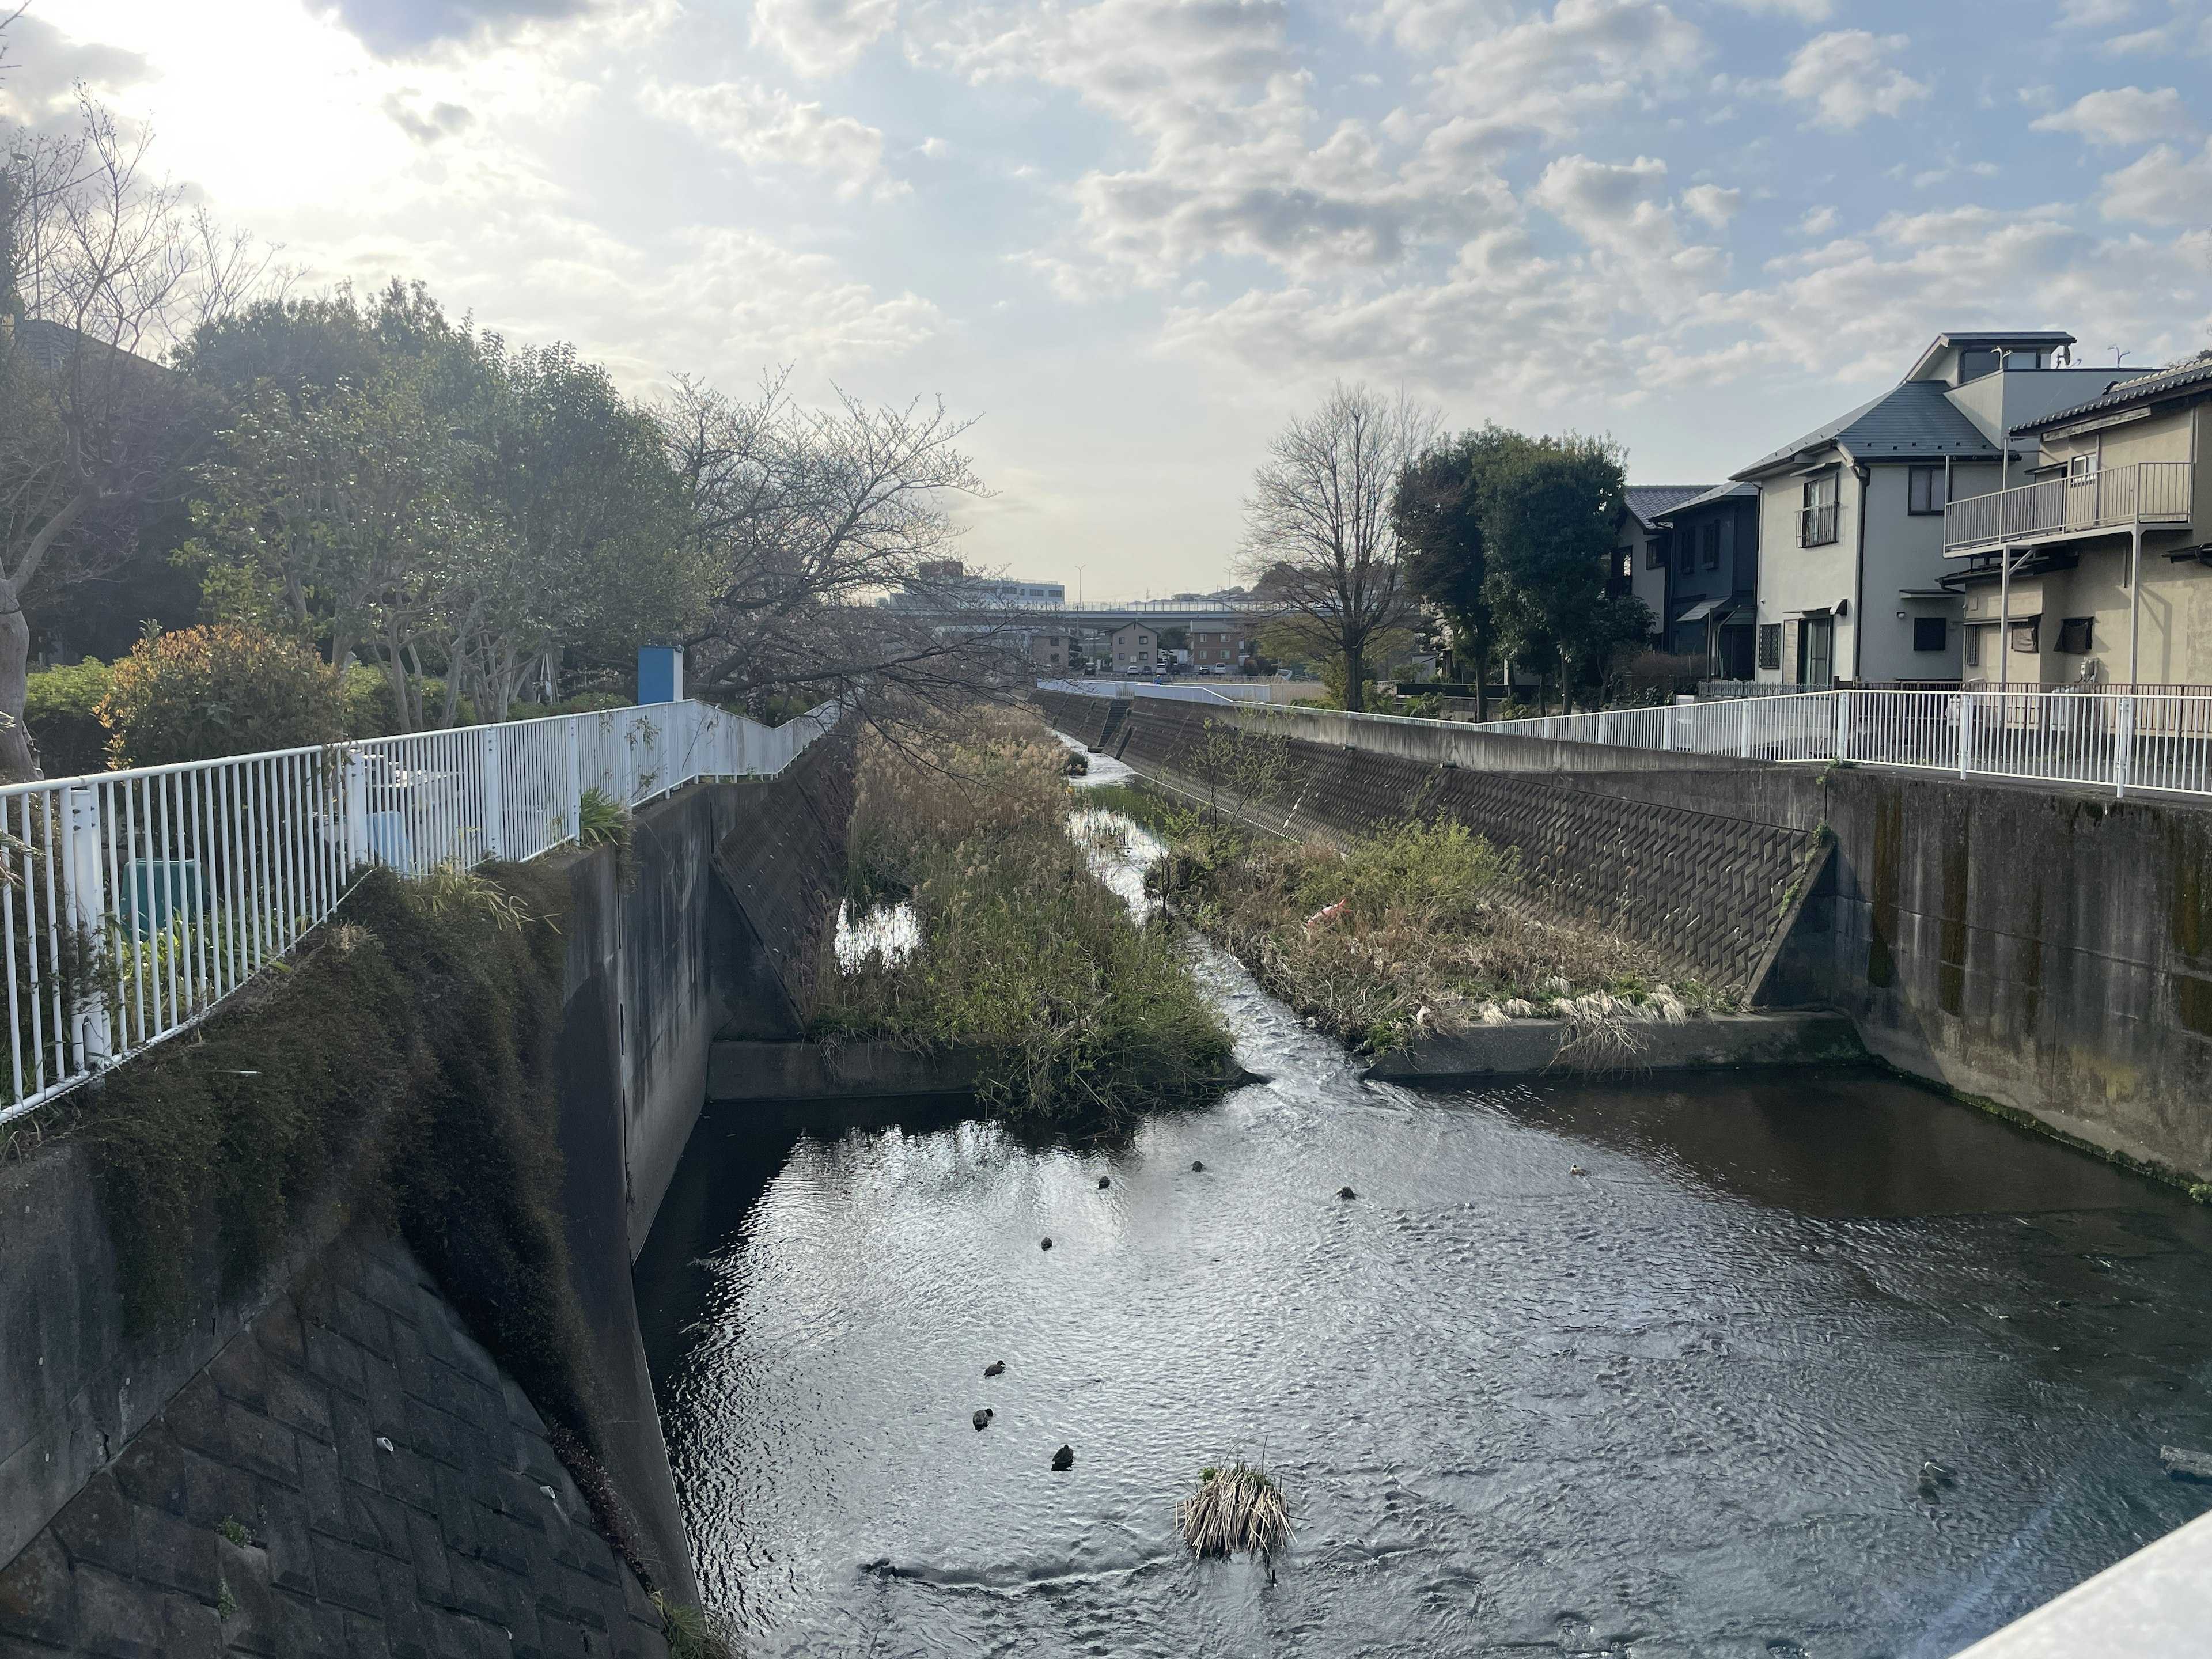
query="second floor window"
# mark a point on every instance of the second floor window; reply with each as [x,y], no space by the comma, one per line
[1816,521]
[1709,538]
[1924,490]
[1654,553]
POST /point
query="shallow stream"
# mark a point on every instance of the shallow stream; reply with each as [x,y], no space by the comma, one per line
[1678,1403]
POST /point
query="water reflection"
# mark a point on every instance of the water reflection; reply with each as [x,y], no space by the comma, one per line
[892,932]
[1674,1405]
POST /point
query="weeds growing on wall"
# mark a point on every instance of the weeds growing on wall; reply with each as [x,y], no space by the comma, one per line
[1416,930]
[409,1049]
[1025,954]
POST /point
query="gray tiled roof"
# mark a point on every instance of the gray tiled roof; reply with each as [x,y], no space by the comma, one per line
[1909,420]
[2141,388]
[1717,493]
[1649,501]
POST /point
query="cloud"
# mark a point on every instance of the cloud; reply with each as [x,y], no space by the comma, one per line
[2093,13]
[1805,11]
[772,128]
[1713,204]
[822,37]
[1846,76]
[2164,187]
[1543,77]
[42,66]
[2122,115]
[403,28]
[426,126]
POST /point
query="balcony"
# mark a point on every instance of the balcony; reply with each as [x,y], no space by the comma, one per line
[2059,509]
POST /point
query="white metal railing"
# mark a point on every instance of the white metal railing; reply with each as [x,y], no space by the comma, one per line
[2148,492]
[132,903]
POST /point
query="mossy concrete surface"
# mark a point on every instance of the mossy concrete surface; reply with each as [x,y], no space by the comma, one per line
[1523,1048]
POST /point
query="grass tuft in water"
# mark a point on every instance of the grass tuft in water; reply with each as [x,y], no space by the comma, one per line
[1238,1509]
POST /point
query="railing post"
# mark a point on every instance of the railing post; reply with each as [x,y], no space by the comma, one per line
[494,800]
[81,876]
[2123,746]
[1842,725]
[1966,733]
[1743,721]
[356,811]
[1600,725]
[575,747]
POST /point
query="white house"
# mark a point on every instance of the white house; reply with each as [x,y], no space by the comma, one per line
[1850,535]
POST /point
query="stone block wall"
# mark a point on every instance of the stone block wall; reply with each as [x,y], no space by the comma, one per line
[352,1475]
[1711,892]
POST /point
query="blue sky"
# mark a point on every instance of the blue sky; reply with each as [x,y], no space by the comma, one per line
[1133,235]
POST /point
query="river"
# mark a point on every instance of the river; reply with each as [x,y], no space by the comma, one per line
[1677,1404]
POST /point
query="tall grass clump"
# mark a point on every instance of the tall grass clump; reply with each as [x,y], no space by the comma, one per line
[1417,929]
[1082,1014]
[1238,1510]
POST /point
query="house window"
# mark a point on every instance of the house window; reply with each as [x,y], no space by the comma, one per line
[1816,651]
[1924,490]
[1816,522]
[1973,647]
[2074,635]
[1654,553]
[1710,536]
[1770,645]
[1688,538]
[1929,633]
[2026,633]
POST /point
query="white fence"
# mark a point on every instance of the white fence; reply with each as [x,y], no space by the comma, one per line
[2120,741]
[131,903]
[1224,690]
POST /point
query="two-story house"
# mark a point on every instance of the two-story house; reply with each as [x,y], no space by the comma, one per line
[1219,644]
[1641,554]
[1136,649]
[2093,567]
[1851,534]
[1712,579]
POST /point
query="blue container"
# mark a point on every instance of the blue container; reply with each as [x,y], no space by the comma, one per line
[388,842]
[163,891]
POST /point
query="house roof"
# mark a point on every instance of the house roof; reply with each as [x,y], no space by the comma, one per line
[2143,388]
[1650,501]
[1717,493]
[1912,420]
[1987,337]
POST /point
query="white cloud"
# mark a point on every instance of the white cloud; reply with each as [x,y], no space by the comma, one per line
[1846,76]
[43,66]
[772,128]
[1819,221]
[1544,76]
[2093,13]
[1715,205]
[2165,187]
[1805,11]
[821,37]
[2122,115]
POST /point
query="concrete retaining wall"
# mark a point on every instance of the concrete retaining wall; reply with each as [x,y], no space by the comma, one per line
[1524,1047]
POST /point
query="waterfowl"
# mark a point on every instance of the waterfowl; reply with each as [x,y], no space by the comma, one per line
[1064,1459]
[982,1418]
[1197,1166]
[1345,1192]
[1103,1184]
[1045,1245]
[996,1368]
[1577,1169]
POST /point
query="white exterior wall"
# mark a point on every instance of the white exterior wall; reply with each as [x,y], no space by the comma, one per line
[1649,586]
[1903,550]
[1794,579]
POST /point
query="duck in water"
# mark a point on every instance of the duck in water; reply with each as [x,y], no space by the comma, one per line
[1063,1460]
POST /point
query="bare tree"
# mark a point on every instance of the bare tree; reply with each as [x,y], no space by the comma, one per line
[1319,541]
[826,535]
[104,268]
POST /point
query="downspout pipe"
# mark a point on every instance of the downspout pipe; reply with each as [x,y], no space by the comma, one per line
[2135,600]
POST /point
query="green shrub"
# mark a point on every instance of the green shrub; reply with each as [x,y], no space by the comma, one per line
[203,693]
[1429,874]
[61,706]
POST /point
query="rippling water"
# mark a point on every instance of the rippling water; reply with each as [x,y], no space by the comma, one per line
[1676,1405]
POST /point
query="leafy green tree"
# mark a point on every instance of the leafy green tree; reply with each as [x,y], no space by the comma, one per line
[203,693]
[1438,510]
[1548,510]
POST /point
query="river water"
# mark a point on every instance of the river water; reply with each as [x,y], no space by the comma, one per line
[1679,1404]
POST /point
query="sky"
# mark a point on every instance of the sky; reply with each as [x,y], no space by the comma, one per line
[1132,237]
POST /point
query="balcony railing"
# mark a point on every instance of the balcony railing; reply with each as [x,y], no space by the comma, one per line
[2149,492]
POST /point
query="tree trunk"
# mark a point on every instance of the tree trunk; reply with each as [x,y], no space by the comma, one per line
[17,760]
[1355,678]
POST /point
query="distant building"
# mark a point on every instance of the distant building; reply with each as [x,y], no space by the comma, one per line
[1221,643]
[946,582]
[1712,579]
[1641,546]
[1136,648]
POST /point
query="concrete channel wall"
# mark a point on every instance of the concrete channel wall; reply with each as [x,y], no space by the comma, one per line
[2046,950]
[326,1461]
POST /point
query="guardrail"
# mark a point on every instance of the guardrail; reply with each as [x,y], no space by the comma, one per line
[132,903]
[2149,492]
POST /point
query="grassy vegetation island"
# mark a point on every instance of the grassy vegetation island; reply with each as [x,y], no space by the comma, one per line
[1023,952]
[1420,929]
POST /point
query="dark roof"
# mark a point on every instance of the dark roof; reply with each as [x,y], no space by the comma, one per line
[1989,337]
[1649,501]
[1911,420]
[1717,493]
[2143,388]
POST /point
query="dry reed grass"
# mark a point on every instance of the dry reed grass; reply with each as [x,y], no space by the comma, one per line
[1237,1510]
